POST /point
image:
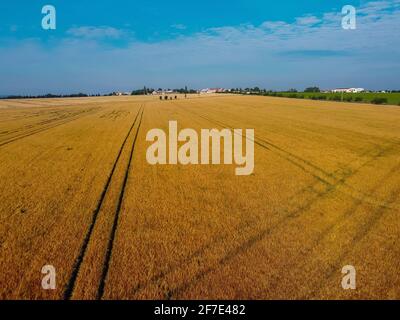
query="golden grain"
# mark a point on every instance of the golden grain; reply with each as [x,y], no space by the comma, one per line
[324,194]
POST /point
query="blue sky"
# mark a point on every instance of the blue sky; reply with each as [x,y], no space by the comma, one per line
[101,46]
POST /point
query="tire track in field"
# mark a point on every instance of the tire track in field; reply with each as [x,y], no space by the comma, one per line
[246,245]
[288,156]
[110,245]
[45,118]
[220,238]
[361,233]
[78,262]
[294,159]
[344,172]
[198,253]
[59,117]
[258,108]
[39,130]
[339,220]
[372,154]
[250,242]
[25,115]
[52,117]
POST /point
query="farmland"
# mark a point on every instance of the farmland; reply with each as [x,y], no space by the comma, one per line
[392,98]
[77,193]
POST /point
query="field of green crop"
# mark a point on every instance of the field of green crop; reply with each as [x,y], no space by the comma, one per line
[376,98]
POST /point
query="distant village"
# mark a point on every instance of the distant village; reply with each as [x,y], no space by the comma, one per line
[352,90]
[171,92]
[161,92]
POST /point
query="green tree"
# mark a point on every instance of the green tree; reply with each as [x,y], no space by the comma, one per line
[312,89]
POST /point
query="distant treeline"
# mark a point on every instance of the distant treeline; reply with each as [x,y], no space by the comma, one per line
[47,96]
[80,95]
[145,90]
[307,90]
[363,97]
[314,93]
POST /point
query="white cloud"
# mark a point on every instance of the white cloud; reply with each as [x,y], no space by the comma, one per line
[375,7]
[91,32]
[308,20]
[274,54]
[178,26]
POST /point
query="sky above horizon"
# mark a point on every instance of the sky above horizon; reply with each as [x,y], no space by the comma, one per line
[120,45]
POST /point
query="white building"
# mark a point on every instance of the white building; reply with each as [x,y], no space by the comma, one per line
[348,90]
[118,93]
[211,90]
[162,92]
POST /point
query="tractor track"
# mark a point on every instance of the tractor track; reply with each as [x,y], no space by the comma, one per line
[330,180]
[69,290]
[258,236]
[110,245]
[39,130]
[288,156]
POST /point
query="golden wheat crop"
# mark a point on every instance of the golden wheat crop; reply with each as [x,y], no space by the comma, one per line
[76,192]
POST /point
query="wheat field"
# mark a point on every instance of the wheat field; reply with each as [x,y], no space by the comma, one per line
[77,193]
